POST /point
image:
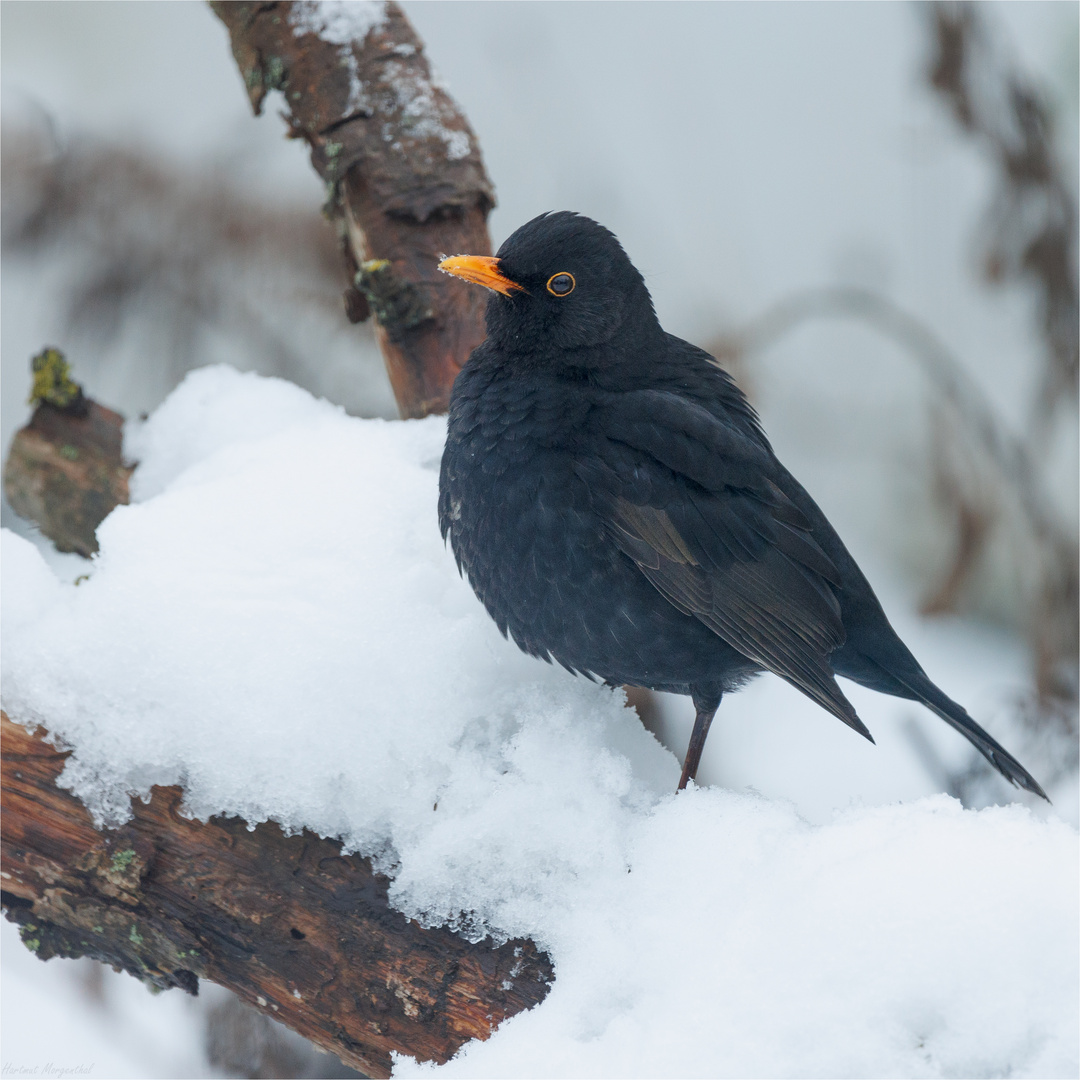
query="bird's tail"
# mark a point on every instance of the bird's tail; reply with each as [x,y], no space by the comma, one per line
[922,689]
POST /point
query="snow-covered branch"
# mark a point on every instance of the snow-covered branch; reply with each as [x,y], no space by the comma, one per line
[295,927]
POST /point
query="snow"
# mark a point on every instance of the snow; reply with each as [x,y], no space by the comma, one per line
[99,1022]
[422,112]
[739,941]
[29,586]
[341,22]
[276,624]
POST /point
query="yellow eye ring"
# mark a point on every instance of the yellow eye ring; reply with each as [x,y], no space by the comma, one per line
[558,284]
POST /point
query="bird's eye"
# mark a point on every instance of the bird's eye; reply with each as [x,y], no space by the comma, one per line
[561,284]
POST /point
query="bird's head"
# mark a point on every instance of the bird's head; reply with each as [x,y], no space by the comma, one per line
[560,282]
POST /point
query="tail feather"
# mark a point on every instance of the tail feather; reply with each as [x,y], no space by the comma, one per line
[828,695]
[956,717]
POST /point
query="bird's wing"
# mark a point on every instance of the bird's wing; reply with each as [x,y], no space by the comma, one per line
[690,499]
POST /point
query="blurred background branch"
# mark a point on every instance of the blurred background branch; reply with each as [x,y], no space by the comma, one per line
[1029,229]
[161,267]
[990,479]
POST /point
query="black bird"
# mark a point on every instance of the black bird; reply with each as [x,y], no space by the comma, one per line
[612,497]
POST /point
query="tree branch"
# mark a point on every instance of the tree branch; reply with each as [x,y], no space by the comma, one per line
[405,180]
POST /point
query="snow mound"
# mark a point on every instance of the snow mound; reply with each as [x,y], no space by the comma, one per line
[920,940]
[278,626]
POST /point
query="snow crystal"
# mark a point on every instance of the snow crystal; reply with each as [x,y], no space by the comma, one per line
[276,624]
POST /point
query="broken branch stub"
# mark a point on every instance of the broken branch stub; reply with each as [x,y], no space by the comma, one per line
[405,180]
[65,469]
[294,926]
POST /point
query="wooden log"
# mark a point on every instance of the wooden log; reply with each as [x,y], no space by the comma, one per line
[405,180]
[292,925]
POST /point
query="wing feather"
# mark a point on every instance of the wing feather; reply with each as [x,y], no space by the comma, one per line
[692,502]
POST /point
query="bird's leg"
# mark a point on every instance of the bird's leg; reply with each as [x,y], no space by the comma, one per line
[706,709]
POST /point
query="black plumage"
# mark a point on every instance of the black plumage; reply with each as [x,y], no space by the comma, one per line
[616,506]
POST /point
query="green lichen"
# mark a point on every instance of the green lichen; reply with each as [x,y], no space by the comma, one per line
[52,380]
[397,304]
[274,74]
[122,860]
[25,932]
[69,453]
[333,195]
[135,937]
[98,929]
[334,167]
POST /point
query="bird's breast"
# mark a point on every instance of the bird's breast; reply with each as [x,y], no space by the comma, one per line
[516,505]
[519,519]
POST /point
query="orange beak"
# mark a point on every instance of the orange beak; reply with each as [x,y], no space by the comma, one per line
[480,270]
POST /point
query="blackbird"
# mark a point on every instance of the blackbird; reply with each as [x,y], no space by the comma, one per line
[616,506]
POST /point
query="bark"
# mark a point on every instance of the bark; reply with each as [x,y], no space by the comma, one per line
[296,928]
[405,180]
[65,469]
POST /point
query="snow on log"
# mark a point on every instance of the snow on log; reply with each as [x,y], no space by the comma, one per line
[295,927]
[405,179]
[288,655]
